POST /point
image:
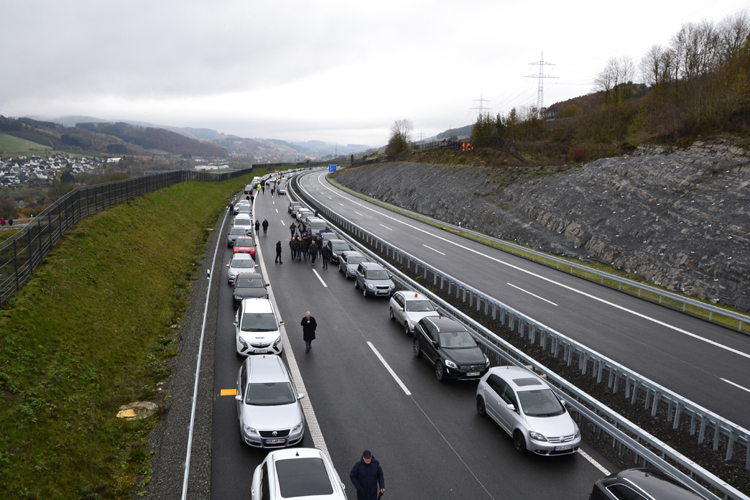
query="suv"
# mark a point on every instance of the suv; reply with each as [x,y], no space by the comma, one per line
[268,408]
[304,472]
[373,279]
[256,328]
[450,347]
[292,206]
[641,484]
[348,262]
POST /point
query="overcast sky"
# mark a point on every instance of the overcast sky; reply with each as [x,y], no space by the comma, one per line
[337,71]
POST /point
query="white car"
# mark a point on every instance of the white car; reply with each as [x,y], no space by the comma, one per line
[268,408]
[257,328]
[525,406]
[244,221]
[297,473]
[407,308]
[240,263]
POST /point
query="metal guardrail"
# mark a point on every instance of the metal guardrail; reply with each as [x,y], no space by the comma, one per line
[24,251]
[709,312]
[637,388]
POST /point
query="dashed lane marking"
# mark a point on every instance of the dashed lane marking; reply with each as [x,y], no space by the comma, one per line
[282,223]
[438,251]
[532,294]
[390,370]
[388,228]
[736,385]
[321,279]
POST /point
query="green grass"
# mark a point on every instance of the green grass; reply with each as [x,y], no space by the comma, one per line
[95,329]
[7,233]
[14,146]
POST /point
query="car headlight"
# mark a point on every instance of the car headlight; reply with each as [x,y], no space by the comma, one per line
[371,287]
[242,341]
[277,342]
[391,286]
[297,429]
[451,364]
[250,430]
[536,436]
[486,360]
[578,432]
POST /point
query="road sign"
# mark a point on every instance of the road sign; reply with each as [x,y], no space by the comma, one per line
[331,168]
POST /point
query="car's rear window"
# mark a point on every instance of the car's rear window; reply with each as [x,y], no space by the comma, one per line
[244,242]
[241,222]
[340,247]
[259,322]
[302,477]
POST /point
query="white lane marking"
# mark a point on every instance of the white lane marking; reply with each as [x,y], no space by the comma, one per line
[330,198]
[321,279]
[594,462]
[438,251]
[532,294]
[312,421]
[388,228]
[549,280]
[358,213]
[341,204]
[282,223]
[736,385]
[277,210]
[390,370]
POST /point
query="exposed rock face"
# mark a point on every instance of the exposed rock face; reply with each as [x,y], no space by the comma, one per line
[681,221]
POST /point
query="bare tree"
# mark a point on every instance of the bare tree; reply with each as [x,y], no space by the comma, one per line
[400,137]
[652,66]
[617,73]
[734,31]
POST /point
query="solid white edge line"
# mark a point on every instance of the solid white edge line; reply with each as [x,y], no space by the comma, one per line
[549,280]
[438,251]
[532,294]
[312,421]
[390,370]
[198,366]
[596,464]
[734,384]
[321,279]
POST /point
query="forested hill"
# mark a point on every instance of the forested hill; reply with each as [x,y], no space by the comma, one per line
[155,138]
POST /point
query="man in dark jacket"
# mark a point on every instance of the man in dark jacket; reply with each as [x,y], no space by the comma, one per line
[278,253]
[366,475]
[308,330]
[294,245]
[265,226]
[313,251]
[325,255]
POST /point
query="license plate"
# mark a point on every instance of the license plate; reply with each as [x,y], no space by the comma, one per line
[563,448]
[260,351]
[275,441]
[382,292]
[472,374]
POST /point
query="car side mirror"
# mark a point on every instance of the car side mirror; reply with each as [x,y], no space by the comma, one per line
[564,403]
[227,265]
[281,322]
[300,396]
[266,284]
[238,397]
[234,323]
[511,407]
[436,344]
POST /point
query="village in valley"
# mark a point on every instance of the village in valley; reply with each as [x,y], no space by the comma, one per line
[37,171]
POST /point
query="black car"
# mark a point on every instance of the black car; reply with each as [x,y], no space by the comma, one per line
[249,286]
[337,247]
[450,347]
[642,484]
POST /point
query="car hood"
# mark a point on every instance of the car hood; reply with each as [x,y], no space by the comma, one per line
[271,417]
[257,337]
[245,293]
[561,425]
[414,317]
[465,356]
[379,282]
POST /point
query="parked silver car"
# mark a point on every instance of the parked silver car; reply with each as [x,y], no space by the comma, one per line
[373,279]
[348,262]
[407,308]
[268,408]
[525,406]
[256,327]
[292,206]
[240,263]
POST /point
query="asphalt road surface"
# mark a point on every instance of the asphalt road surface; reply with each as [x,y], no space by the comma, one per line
[699,360]
[430,442]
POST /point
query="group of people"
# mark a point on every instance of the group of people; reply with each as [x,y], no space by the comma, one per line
[305,245]
[3,222]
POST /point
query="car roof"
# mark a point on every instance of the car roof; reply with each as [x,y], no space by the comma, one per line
[291,465]
[521,379]
[266,368]
[371,265]
[336,240]
[316,219]
[411,295]
[241,256]
[253,305]
[656,483]
[249,276]
[444,324]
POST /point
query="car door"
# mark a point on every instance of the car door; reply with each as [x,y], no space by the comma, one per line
[241,388]
[398,310]
[493,399]
[359,275]
[430,345]
[508,415]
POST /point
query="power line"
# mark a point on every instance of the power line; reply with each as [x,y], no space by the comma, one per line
[541,76]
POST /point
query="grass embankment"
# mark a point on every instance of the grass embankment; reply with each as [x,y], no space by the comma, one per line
[96,328]
[14,145]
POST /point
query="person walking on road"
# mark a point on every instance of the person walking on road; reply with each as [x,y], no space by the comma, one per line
[292,229]
[313,250]
[294,247]
[257,227]
[366,475]
[263,189]
[308,330]
[265,227]
[278,253]
[325,255]
[302,249]
[231,208]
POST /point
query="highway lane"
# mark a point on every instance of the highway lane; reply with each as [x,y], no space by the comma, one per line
[431,443]
[643,336]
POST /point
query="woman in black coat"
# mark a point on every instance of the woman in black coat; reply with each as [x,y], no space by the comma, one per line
[308,330]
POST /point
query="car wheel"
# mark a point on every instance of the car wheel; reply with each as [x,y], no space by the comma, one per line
[439,371]
[480,406]
[406,328]
[519,442]
[416,349]
[390,312]
[364,292]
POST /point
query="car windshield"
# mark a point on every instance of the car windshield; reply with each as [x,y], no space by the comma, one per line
[339,247]
[419,306]
[249,283]
[456,340]
[259,322]
[243,263]
[244,242]
[540,403]
[377,274]
[270,394]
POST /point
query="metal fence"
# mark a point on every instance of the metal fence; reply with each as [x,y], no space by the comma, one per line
[646,448]
[703,310]
[22,253]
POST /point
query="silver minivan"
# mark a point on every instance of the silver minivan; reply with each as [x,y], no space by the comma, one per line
[268,408]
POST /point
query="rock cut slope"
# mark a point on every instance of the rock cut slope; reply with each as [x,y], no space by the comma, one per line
[681,220]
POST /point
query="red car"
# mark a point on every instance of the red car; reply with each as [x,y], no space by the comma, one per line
[245,244]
